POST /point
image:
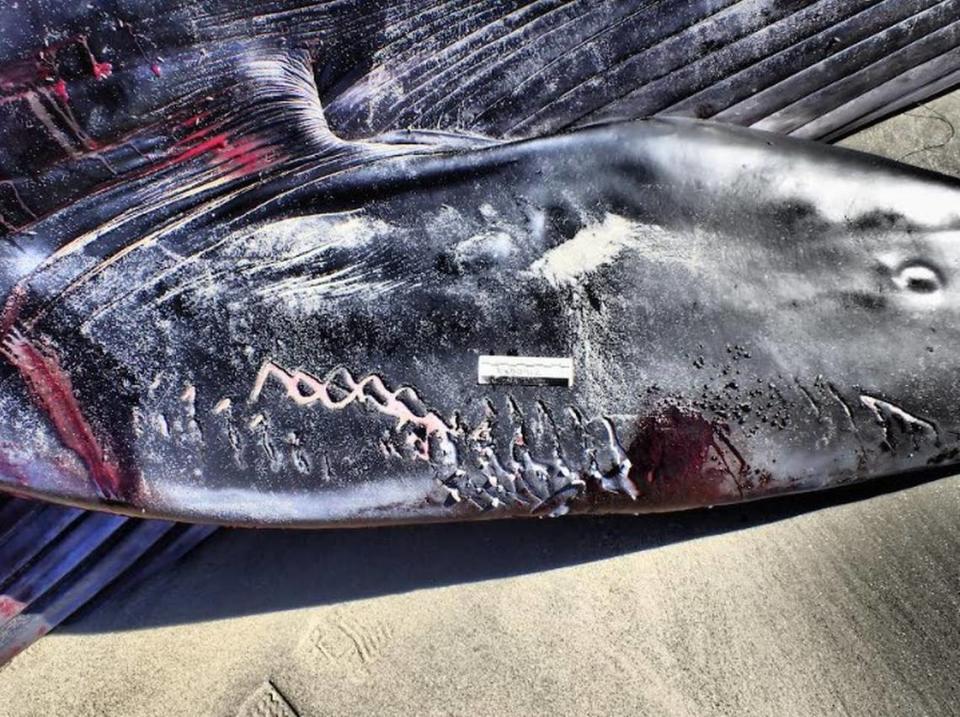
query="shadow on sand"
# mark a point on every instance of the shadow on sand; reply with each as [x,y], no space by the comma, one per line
[242,572]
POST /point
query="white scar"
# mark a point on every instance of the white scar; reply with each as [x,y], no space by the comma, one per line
[369,390]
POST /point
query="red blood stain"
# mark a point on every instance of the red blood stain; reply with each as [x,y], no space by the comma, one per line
[52,391]
[680,459]
[155,69]
[216,142]
[9,608]
[102,70]
[60,91]
[190,139]
[239,156]
[183,151]
[240,151]
[245,156]
[19,77]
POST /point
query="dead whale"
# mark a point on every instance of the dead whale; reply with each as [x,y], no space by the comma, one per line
[732,315]
[141,94]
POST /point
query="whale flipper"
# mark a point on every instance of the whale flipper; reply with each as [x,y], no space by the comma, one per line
[516,70]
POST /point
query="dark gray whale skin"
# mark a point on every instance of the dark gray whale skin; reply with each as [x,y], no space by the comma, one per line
[748,315]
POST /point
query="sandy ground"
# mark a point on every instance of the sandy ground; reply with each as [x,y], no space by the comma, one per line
[848,604]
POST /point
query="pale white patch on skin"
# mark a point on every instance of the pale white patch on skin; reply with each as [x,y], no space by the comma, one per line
[300,237]
[909,422]
[357,230]
[309,292]
[494,245]
[383,499]
[160,423]
[304,242]
[593,247]
[27,260]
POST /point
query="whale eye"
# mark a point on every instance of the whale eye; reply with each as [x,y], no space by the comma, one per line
[918,278]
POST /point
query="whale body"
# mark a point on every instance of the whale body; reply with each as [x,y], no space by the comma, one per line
[313,263]
[742,315]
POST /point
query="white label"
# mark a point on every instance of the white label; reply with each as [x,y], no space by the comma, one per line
[525,370]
